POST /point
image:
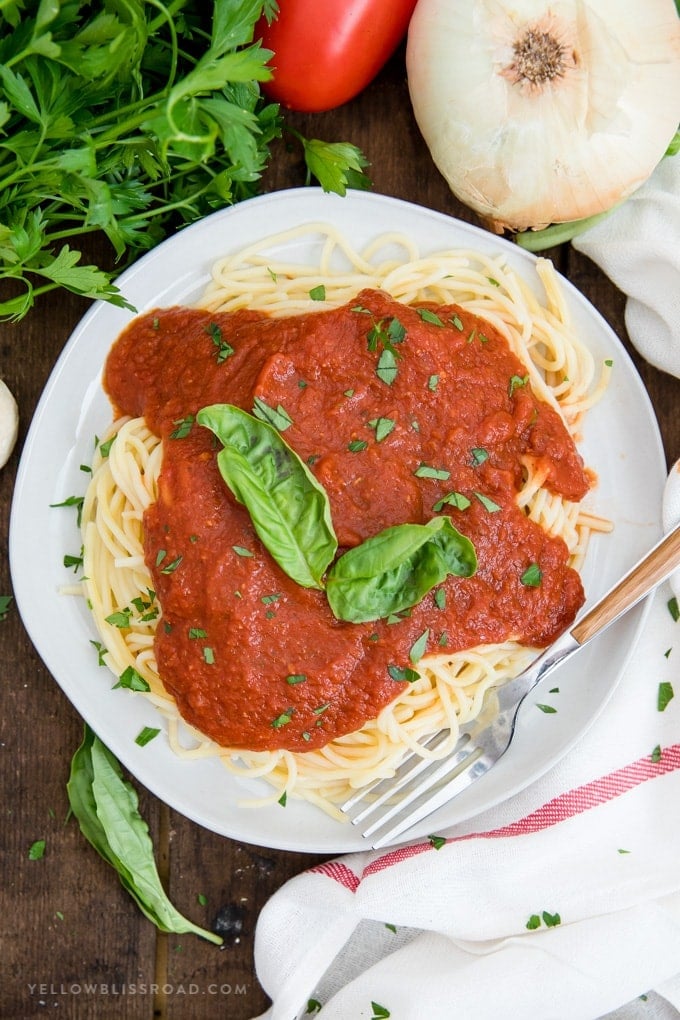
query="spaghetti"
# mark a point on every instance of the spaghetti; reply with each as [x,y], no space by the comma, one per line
[451,686]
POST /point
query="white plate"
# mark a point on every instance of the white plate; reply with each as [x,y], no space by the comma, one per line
[621,443]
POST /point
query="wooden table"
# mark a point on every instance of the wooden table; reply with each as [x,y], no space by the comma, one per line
[66,922]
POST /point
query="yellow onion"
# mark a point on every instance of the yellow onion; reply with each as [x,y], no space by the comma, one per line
[538,112]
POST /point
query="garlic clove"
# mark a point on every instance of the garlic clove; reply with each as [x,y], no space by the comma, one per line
[539,112]
[9,423]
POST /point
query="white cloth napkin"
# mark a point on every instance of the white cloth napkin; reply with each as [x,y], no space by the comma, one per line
[563,903]
[425,932]
[638,247]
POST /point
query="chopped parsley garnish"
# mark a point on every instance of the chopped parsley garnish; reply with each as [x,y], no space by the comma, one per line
[241,550]
[36,850]
[208,656]
[101,651]
[437,841]
[131,680]
[146,609]
[429,316]
[418,647]
[479,455]
[548,709]
[195,633]
[674,609]
[382,427]
[517,382]
[427,471]
[402,674]
[386,369]
[105,447]
[76,501]
[487,503]
[380,1012]
[357,445]
[549,920]
[386,334]
[433,382]
[121,618]
[73,561]
[456,321]
[224,349]
[171,567]
[664,696]
[455,499]
[531,578]
[278,417]
[146,735]
[283,719]
[655,756]
[318,293]
[184,426]
[296,678]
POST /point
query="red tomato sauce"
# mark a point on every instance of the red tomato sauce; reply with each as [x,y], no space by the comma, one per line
[255,661]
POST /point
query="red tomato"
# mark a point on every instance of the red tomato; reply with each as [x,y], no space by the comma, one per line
[327,51]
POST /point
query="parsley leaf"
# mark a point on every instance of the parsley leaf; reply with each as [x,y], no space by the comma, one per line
[131,120]
[664,696]
[336,165]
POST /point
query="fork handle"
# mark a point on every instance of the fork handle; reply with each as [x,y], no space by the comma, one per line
[652,569]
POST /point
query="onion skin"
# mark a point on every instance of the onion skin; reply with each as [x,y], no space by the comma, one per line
[524,154]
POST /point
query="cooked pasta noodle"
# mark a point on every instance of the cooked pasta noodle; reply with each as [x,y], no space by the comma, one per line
[451,687]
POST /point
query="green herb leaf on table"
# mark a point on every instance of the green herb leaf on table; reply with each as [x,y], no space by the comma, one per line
[36,851]
[106,807]
[288,507]
[337,166]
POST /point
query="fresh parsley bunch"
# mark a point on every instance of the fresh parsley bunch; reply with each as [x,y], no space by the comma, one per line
[131,118]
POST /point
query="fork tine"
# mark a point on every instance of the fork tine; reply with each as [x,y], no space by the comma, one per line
[476,765]
[410,767]
[446,769]
[402,780]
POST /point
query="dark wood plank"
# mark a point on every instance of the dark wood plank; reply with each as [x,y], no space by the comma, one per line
[65,922]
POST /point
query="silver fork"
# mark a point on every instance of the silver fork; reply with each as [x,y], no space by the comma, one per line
[390,807]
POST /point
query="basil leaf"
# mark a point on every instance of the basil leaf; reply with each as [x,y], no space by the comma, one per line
[396,568]
[106,807]
[289,509]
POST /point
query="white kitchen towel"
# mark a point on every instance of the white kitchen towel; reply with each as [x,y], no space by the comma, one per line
[638,247]
[563,902]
